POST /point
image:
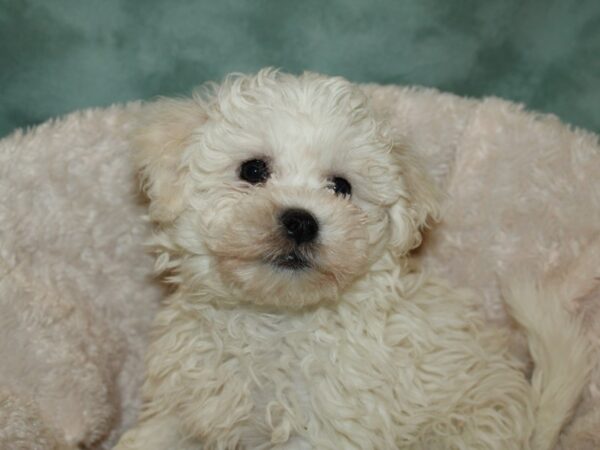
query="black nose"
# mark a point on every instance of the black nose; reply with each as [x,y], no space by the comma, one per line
[299,225]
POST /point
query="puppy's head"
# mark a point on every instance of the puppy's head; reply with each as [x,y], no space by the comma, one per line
[276,189]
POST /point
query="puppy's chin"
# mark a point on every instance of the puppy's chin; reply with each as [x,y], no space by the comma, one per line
[288,281]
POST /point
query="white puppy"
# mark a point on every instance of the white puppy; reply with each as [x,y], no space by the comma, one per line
[284,217]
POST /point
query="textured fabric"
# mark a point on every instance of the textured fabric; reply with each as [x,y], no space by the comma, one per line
[76,295]
[62,55]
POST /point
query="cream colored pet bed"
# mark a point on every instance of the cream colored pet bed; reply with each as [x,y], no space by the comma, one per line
[76,289]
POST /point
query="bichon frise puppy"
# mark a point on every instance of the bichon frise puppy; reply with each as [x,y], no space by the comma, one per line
[284,217]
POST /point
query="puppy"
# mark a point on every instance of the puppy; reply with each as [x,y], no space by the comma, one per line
[285,213]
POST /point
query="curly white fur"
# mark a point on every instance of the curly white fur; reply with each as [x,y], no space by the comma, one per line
[357,351]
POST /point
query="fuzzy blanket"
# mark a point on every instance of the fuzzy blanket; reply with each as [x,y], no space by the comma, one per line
[77,295]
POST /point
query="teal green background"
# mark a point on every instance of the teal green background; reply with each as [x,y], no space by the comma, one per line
[60,55]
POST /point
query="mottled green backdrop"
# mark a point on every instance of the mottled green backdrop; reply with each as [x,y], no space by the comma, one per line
[61,55]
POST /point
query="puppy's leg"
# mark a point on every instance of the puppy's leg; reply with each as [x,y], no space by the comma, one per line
[157,433]
[561,352]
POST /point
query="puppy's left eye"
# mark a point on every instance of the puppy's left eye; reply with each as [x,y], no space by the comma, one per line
[254,171]
[341,186]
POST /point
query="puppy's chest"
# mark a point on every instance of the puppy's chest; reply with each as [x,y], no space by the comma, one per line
[305,373]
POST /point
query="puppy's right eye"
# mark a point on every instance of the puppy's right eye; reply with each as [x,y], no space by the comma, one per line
[341,186]
[255,171]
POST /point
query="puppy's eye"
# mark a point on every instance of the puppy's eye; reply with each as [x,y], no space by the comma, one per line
[341,186]
[254,171]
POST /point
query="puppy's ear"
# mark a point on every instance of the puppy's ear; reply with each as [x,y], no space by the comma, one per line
[165,130]
[419,204]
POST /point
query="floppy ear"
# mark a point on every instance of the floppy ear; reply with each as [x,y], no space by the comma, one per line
[165,130]
[419,204]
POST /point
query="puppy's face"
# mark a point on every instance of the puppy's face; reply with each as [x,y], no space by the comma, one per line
[277,190]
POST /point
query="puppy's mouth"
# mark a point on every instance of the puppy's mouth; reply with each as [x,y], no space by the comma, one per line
[291,261]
